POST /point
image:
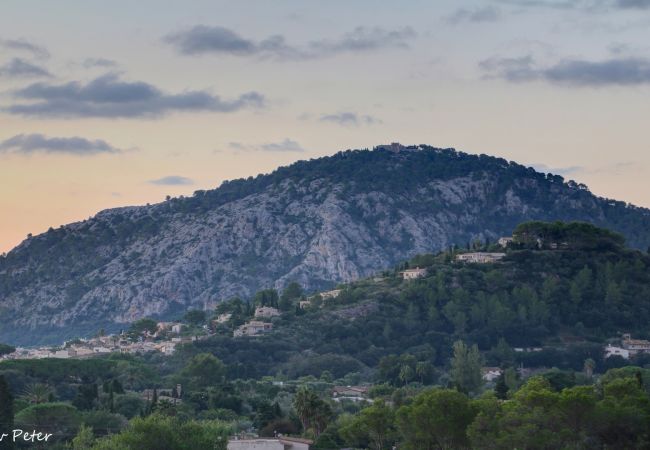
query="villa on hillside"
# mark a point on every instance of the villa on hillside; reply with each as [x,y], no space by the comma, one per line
[353,393]
[611,350]
[480,257]
[412,274]
[504,241]
[491,373]
[635,346]
[266,311]
[253,328]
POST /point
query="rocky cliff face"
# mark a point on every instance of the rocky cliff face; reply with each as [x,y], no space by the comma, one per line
[317,222]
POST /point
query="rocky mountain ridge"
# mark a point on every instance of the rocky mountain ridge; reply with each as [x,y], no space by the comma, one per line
[316,222]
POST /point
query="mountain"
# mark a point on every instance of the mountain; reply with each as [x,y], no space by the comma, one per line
[316,222]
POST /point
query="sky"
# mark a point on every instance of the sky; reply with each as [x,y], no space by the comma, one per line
[108,104]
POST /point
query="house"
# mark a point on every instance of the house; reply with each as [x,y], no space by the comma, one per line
[330,294]
[480,257]
[279,443]
[635,346]
[252,328]
[491,373]
[411,274]
[504,241]
[176,328]
[222,318]
[354,393]
[266,311]
[304,304]
[611,350]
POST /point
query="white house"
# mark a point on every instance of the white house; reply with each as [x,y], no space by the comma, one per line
[176,328]
[610,350]
[279,443]
[504,241]
[266,311]
[252,328]
[491,373]
[480,257]
[411,274]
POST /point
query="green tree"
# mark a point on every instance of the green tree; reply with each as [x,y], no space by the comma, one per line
[466,368]
[204,370]
[435,419]
[37,393]
[314,413]
[290,295]
[374,424]
[157,432]
[195,317]
[84,439]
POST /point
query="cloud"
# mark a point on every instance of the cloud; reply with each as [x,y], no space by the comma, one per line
[172,180]
[19,68]
[287,145]
[349,119]
[572,72]
[558,170]
[89,63]
[108,96]
[22,45]
[633,4]
[203,40]
[477,15]
[581,5]
[28,144]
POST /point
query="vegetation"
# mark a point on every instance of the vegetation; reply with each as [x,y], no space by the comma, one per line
[417,346]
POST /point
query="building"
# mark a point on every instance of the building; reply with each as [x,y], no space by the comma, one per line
[253,328]
[176,328]
[480,257]
[222,318]
[504,241]
[353,393]
[330,294]
[610,350]
[279,443]
[304,304]
[411,274]
[266,311]
[635,346]
[491,373]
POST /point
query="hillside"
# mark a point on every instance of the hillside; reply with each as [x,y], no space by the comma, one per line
[567,301]
[316,222]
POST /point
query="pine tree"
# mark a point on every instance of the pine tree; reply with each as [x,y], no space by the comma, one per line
[501,388]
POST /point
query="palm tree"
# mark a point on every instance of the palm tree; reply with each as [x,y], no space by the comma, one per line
[37,393]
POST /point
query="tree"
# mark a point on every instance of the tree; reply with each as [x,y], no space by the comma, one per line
[204,370]
[314,413]
[436,419]
[267,297]
[374,424]
[60,419]
[466,368]
[501,388]
[6,413]
[37,393]
[84,439]
[195,317]
[157,432]
[6,349]
[290,295]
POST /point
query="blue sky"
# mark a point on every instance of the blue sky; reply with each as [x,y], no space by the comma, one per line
[106,104]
